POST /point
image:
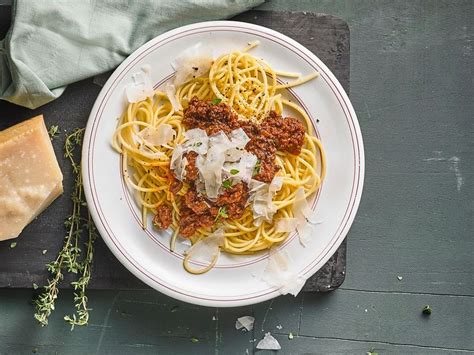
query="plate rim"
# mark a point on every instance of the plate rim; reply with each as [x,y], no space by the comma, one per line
[315,265]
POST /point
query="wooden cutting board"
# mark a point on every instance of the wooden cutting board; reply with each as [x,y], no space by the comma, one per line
[326,36]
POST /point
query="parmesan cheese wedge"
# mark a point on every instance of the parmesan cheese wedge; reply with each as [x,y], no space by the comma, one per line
[30,178]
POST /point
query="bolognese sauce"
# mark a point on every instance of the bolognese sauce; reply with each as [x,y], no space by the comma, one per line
[274,133]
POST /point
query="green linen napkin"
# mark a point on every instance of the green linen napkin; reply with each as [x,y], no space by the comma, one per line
[51,44]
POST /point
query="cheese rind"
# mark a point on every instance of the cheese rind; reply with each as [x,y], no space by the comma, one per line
[30,177]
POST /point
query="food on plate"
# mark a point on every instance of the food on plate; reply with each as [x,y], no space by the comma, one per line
[217,158]
[30,177]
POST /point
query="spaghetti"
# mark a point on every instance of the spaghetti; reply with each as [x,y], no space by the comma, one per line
[150,131]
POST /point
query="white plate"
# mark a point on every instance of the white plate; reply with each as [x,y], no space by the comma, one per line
[234,281]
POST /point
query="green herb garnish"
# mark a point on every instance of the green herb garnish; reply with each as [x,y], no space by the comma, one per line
[221,213]
[234,171]
[35,286]
[216,101]
[426,310]
[372,352]
[12,245]
[53,131]
[72,258]
[194,340]
[227,184]
[197,144]
[258,167]
[290,336]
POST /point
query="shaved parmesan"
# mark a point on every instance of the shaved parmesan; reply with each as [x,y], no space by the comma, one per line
[177,163]
[170,91]
[211,166]
[141,88]
[158,135]
[268,343]
[239,138]
[275,184]
[247,166]
[207,249]
[304,216]
[196,141]
[278,273]
[262,197]
[301,206]
[245,322]
[192,63]
[218,156]
[286,225]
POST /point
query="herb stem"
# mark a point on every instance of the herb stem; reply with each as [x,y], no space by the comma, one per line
[68,258]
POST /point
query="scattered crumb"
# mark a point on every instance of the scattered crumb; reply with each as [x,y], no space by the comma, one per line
[268,343]
[279,327]
[35,286]
[194,340]
[245,323]
[426,310]
[400,278]
[372,352]
[290,336]
[365,310]
[214,318]
[174,309]
[45,251]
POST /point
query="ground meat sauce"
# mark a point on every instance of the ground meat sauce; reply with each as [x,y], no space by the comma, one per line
[163,217]
[189,221]
[287,133]
[199,212]
[195,201]
[175,184]
[274,133]
[211,118]
[192,172]
[234,200]
[264,149]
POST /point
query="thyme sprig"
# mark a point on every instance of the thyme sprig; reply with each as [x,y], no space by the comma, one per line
[69,258]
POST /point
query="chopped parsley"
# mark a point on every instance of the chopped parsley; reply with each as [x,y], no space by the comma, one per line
[12,245]
[197,144]
[234,171]
[216,101]
[426,310]
[35,286]
[227,184]
[221,213]
[258,167]
[194,340]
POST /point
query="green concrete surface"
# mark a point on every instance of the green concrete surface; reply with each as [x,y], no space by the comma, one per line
[412,88]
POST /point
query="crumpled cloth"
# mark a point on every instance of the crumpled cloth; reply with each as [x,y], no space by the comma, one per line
[53,43]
